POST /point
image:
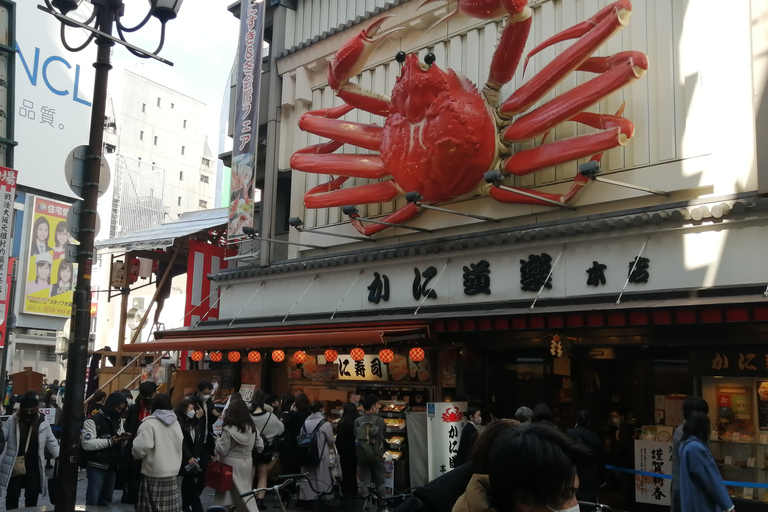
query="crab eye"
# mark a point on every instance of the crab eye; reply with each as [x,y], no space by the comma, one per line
[400,57]
[429,59]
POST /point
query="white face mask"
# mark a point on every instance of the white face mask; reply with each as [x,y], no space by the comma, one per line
[574,508]
[205,397]
[478,421]
[617,422]
[190,414]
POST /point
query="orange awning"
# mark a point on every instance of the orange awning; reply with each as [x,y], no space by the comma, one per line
[286,339]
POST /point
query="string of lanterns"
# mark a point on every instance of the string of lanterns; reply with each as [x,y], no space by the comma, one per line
[386,355]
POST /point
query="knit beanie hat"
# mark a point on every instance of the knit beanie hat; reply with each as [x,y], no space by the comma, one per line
[29,400]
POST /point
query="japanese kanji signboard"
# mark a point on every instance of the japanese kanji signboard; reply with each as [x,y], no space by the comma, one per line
[444,423]
[653,457]
[7,190]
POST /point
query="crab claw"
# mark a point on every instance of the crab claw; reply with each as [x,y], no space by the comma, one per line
[352,56]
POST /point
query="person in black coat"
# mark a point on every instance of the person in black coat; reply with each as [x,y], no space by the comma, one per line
[203,401]
[441,494]
[468,435]
[345,445]
[592,477]
[293,422]
[130,468]
[188,418]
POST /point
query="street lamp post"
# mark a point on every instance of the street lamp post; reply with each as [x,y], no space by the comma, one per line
[106,14]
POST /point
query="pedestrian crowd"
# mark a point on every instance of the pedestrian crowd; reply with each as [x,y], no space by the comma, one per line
[160,455]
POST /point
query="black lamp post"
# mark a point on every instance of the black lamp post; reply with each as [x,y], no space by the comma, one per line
[106,15]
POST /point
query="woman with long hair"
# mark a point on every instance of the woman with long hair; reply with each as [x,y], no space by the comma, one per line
[64,277]
[41,230]
[271,428]
[60,239]
[234,448]
[320,478]
[701,486]
[190,455]
[345,446]
[286,402]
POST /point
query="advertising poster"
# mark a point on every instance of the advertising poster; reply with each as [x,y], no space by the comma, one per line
[653,457]
[738,399]
[243,176]
[444,424]
[50,280]
[762,404]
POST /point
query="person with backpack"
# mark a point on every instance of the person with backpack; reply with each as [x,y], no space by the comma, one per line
[270,428]
[102,439]
[313,451]
[369,441]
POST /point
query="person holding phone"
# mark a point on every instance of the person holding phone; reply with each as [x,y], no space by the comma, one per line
[103,438]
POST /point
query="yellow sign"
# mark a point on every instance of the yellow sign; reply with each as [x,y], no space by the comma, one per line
[50,280]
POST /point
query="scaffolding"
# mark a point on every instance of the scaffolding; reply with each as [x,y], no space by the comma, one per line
[137,202]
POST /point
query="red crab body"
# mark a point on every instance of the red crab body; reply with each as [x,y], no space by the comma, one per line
[441,135]
[440,141]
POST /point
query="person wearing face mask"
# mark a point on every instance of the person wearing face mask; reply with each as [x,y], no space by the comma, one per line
[530,469]
[130,468]
[103,439]
[468,434]
[27,435]
[190,454]
[202,399]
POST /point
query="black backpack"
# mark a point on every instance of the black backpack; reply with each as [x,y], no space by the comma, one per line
[307,453]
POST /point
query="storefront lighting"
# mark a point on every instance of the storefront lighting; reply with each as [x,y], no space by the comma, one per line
[386,356]
[233,356]
[299,357]
[357,354]
[215,356]
[278,356]
[254,356]
[197,355]
[331,355]
[416,354]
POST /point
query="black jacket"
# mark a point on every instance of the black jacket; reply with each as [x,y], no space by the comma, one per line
[98,431]
[204,430]
[441,494]
[190,449]
[593,476]
[466,441]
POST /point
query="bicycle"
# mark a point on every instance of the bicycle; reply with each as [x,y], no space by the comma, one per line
[595,507]
[244,497]
[373,501]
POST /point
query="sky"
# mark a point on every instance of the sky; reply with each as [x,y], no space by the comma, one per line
[201,42]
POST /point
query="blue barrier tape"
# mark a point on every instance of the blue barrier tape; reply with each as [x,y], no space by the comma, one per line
[750,485]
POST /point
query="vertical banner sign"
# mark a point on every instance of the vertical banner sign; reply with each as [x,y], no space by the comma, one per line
[443,434]
[7,189]
[50,278]
[243,177]
[653,457]
[7,298]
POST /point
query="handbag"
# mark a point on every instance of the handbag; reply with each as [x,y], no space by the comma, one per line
[19,465]
[335,465]
[218,476]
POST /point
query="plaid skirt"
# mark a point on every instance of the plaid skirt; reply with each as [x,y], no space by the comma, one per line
[158,494]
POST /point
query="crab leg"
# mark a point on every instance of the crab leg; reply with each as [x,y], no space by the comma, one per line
[618,132]
[328,194]
[355,166]
[593,34]
[405,213]
[508,196]
[574,101]
[361,135]
[350,60]
[508,52]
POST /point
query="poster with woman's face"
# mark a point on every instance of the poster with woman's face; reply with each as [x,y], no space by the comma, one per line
[50,279]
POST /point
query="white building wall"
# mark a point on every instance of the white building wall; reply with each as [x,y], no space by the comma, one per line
[693,110]
[164,127]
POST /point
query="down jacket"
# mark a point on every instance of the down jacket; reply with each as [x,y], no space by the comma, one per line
[45,439]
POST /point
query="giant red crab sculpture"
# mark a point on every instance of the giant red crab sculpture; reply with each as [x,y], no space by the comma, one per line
[441,135]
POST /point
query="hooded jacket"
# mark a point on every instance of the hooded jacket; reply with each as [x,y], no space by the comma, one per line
[234,444]
[159,444]
[477,497]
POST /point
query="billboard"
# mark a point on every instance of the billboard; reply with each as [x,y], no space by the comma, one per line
[50,280]
[243,175]
[53,98]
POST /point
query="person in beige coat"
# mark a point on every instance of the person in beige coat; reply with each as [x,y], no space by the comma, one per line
[234,447]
